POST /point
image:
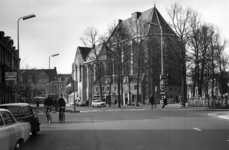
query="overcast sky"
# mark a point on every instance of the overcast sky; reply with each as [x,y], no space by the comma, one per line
[59,24]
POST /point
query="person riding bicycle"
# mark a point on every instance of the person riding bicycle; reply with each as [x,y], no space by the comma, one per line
[48,103]
[62,104]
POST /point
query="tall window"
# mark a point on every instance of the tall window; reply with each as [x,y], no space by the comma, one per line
[135,87]
[96,89]
[115,88]
[125,80]
[55,86]
[108,89]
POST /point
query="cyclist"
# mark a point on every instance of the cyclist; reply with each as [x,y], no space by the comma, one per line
[48,103]
[62,104]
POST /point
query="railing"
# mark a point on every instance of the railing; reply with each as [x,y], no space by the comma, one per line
[208,102]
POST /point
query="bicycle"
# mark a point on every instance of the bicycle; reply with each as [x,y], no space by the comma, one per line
[62,116]
[49,115]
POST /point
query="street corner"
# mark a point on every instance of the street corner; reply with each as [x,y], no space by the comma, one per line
[223,115]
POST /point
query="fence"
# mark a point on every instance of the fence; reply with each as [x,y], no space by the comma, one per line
[208,102]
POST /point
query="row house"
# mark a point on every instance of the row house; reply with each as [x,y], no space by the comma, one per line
[96,70]
[58,85]
[34,82]
[9,62]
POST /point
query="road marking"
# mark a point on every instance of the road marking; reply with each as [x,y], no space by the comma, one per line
[197,129]
[40,112]
[112,110]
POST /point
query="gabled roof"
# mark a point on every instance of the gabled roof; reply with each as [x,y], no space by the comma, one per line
[96,53]
[50,72]
[151,15]
[84,51]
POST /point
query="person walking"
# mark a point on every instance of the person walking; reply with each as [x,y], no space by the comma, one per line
[115,102]
[165,103]
[151,100]
[181,101]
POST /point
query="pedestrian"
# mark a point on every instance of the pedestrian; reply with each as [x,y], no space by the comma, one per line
[115,102]
[181,101]
[176,100]
[38,103]
[151,100]
[165,103]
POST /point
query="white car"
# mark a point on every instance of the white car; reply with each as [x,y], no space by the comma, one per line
[98,103]
[13,134]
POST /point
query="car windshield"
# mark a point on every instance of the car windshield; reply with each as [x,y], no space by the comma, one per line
[15,110]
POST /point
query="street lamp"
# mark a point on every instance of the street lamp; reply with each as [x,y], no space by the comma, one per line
[49,68]
[162,61]
[24,18]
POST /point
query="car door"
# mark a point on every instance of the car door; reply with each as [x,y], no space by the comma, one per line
[4,135]
[9,130]
[29,117]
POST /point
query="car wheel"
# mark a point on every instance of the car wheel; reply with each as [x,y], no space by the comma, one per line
[34,132]
[18,145]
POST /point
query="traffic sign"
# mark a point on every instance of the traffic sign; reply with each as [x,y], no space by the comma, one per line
[10,76]
[162,92]
[163,77]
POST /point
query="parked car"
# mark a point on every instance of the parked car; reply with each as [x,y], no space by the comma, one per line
[82,103]
[24,113]
[98,103]
[13,134]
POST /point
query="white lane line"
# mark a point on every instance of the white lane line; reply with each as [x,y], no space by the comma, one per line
[41,112]
[197,129]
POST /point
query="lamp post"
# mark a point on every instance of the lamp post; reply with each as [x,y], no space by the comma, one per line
[162,61]
[24,18]
[49,68]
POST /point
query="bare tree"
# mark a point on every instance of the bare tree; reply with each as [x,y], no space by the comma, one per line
[118,45]
[180,23]
[91,38]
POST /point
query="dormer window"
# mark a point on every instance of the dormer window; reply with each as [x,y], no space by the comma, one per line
[125,80]
[135,16]
[108,80]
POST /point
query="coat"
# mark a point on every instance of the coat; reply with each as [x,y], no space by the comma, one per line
[151,99]
[165,101]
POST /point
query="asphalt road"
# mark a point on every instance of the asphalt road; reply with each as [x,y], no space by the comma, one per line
[132,129]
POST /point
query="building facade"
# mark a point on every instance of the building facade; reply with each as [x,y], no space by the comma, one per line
[9,63]
[133,62]
[58,85]
[34,82]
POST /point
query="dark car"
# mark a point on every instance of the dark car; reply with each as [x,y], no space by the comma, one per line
[24,113]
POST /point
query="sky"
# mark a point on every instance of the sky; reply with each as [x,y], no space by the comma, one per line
[59,24]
